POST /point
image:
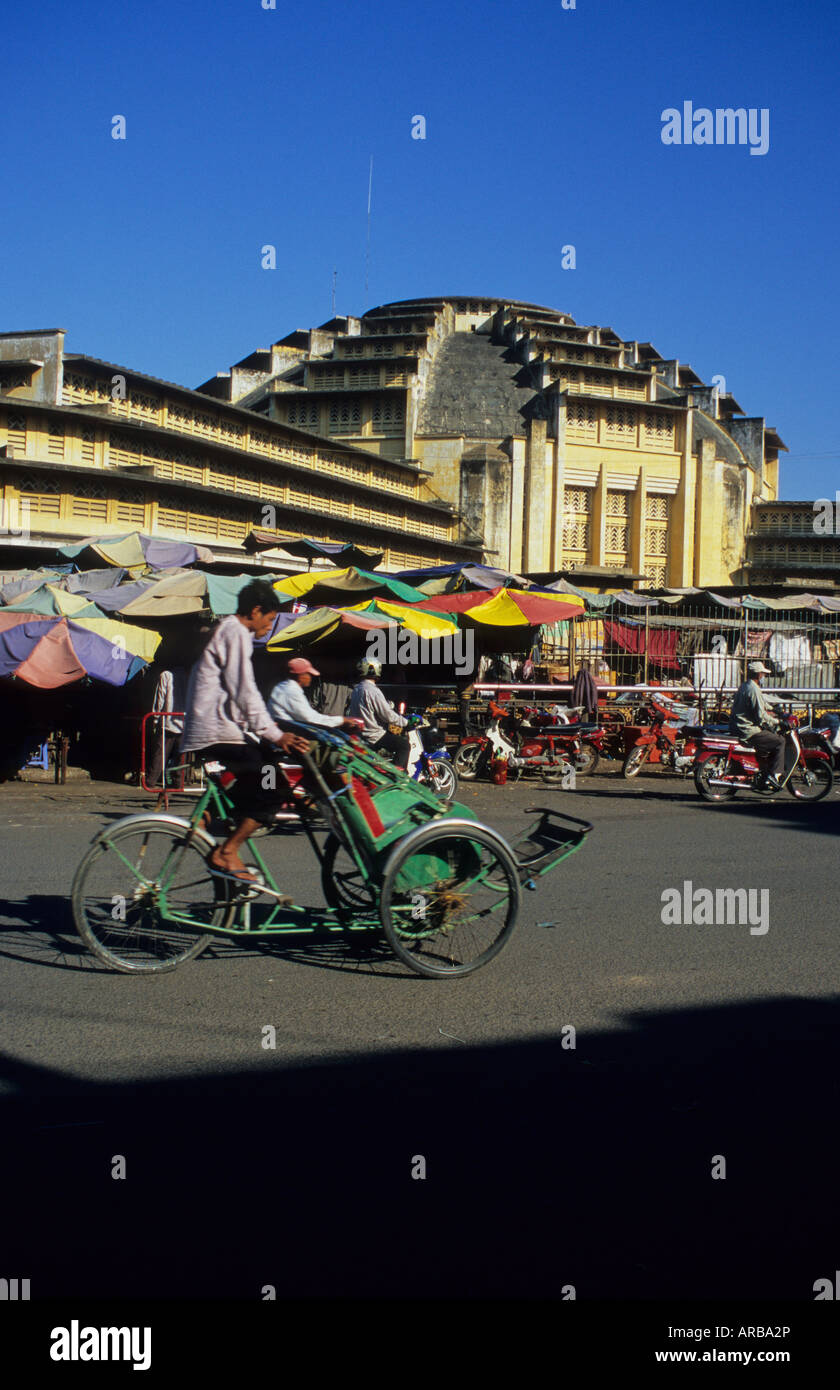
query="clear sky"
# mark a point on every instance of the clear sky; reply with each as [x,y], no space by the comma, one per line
[247,127]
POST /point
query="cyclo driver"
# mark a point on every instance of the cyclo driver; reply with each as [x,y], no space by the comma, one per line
[223,706]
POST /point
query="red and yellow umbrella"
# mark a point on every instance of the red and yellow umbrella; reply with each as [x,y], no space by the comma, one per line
[508,607]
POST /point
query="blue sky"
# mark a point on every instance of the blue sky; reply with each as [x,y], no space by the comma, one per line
[246,127]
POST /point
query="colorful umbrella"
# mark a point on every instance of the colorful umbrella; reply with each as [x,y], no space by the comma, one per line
[54,602]
[49,652]
[325,584]
[137,552]
[415,618]
[319,623]
[508,607]
[258,539]
[189,591]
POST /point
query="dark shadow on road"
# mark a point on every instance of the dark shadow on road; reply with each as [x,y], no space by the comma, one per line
[39,929]
[544,1166]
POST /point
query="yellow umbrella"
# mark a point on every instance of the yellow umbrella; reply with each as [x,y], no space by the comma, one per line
[423,623]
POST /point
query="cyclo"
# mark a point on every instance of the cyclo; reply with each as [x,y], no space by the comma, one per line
[444,888]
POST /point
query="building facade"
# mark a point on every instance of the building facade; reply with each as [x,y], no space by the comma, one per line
[88,447]
[564,446]
[794,543]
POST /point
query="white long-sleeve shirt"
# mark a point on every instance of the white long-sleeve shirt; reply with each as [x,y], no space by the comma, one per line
[288,701]
[369,704]
[222,698]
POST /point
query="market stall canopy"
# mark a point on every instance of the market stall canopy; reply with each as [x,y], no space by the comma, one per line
[258,539]
[49,599]
[50,652]
[508,607]
[323,585]
[137,552]
[16,584]
[319,623]
[416,619]
[193,591]
[451,579]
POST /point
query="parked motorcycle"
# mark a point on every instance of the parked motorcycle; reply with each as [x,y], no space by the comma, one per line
[725,766]
[428,759]
[584,743]
[665,740]
[544,753]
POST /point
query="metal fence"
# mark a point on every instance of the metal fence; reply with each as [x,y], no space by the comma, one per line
[699,646]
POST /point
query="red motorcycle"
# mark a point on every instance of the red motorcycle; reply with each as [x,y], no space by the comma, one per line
[725,766]
[667,740]
[527,752]
[585,744]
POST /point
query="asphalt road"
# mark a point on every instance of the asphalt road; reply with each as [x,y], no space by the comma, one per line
[546,1164]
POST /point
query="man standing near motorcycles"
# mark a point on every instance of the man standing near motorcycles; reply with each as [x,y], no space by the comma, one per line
[751,719]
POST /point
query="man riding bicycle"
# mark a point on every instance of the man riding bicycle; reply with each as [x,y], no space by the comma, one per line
[224,706]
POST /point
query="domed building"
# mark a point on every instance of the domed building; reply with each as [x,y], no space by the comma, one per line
[561,446]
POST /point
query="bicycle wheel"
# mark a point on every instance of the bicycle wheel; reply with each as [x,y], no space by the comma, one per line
[811,783]
[143,896]
[443,778]
[712,767]
[342,882]
[466,761]
[450,898]
[635,760]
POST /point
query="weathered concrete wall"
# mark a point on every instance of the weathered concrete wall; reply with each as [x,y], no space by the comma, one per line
[45,382]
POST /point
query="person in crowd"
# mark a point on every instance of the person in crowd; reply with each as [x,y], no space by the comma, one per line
[288,699]
[226,717]
[754,723]
[170,694]
[378,717]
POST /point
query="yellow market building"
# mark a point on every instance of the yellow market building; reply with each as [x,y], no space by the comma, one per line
[564,446]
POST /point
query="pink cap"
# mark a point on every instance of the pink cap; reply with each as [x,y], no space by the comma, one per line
[299,666]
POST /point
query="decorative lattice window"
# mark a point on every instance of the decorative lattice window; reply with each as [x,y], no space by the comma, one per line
[303,413]
[657,520]
[617,529]
[576,517]
[656,576]
[345,416]
[621,424]
[388,415]
[146,407]
[582,418]
[354,349]
[658,428]
[657,508]
[55,442]
[16,434]
[88,447]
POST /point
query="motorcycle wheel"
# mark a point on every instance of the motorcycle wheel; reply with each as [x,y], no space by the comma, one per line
[466,761]
[712,767]
[811,783]
[635,760]
[443,778]
[587,759]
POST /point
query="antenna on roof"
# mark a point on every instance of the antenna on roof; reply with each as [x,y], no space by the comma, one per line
[367,251]
[335,277]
